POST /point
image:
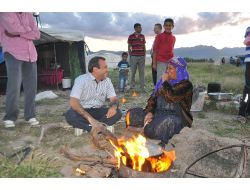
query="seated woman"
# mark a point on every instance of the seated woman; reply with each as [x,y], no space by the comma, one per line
[168,108]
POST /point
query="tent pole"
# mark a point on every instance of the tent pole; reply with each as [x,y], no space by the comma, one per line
[55,65]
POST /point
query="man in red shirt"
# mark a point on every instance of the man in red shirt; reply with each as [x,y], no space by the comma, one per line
[157,30]
[137,50]
[163,49]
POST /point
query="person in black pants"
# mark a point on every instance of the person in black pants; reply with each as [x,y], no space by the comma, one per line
[244,109]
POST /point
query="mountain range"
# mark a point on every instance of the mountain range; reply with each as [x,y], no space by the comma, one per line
[197,52]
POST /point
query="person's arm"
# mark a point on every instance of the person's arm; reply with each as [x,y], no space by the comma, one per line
[178,92]
[155,51]
[144,45]
[34,34]
[114,102]
[114,105]
[129,46]
[11,24]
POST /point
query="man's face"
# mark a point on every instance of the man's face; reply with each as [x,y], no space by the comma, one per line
[138,29]
[168,26]
[157,29]
[102,73]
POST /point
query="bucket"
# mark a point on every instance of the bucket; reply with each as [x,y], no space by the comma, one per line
[213,87]
[66,83]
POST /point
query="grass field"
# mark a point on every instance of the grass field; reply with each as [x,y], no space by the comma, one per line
[229,76]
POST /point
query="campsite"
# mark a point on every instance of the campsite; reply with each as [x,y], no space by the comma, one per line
[214,127]
[69,111]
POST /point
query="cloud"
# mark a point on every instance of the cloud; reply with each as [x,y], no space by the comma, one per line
[118,25]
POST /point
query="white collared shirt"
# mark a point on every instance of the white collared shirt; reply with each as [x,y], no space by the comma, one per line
[92,94]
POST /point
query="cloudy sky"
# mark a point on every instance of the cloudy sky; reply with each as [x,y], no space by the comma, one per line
[110,30]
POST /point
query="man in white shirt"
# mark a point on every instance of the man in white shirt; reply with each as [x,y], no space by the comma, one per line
[88,96]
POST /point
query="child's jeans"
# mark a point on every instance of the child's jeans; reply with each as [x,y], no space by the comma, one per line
[122,81]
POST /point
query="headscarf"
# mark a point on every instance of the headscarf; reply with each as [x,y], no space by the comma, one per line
[181,73]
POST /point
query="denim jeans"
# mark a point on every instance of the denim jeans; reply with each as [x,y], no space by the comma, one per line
[122,81]
[19,72]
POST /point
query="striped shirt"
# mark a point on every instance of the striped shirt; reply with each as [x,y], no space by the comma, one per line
[247,56]
[92,94]
[137,42]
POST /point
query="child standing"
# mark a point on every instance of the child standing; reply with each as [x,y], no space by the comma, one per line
[123,71]
[163,49]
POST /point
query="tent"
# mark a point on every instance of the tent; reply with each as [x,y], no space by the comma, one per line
[61,54]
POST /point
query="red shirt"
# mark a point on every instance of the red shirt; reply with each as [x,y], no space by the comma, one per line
[164,46]
[137,42]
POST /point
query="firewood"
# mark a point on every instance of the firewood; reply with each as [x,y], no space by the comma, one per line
[88,159]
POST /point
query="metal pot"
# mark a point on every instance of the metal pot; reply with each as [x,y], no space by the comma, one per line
[154,151]
[220,96]
[127,172]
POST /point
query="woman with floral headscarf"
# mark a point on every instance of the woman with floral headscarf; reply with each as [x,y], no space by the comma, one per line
[168,108]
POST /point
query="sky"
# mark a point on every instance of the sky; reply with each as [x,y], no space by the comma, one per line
[110,30]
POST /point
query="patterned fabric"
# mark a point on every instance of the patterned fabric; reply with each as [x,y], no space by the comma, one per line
[181,72]
[180,93]
[137,42]
[247,55]
[92,94]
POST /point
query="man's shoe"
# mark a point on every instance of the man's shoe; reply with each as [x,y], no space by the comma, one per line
[9,124]
[33,122]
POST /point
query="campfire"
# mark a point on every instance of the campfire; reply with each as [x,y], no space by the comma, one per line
[136,154]
[134,94]
[123,100]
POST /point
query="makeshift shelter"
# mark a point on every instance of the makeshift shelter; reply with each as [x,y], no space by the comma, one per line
[61,54]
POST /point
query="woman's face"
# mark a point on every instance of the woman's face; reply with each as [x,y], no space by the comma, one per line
[171,71]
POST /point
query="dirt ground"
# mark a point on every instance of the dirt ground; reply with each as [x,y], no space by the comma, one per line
[211,130]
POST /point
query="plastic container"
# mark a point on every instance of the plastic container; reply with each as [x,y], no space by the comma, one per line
[66,83]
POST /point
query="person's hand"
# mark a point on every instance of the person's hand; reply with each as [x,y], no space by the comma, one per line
[111,112]
[148,118]
[96,124]
[165,77]
[10,35]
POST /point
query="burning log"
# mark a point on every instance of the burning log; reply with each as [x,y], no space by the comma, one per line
[101,137]
[137,155]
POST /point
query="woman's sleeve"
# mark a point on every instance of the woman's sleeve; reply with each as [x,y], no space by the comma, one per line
[177,93]
[151,105]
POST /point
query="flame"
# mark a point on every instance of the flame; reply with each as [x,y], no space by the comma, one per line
[127,119]
[134,94]
[133,153]
[81,172]
[123,100]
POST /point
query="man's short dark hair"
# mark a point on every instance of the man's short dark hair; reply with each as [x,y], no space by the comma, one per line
[159,25]
[124,53]
[136,25]
[94,62]
[169,20]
